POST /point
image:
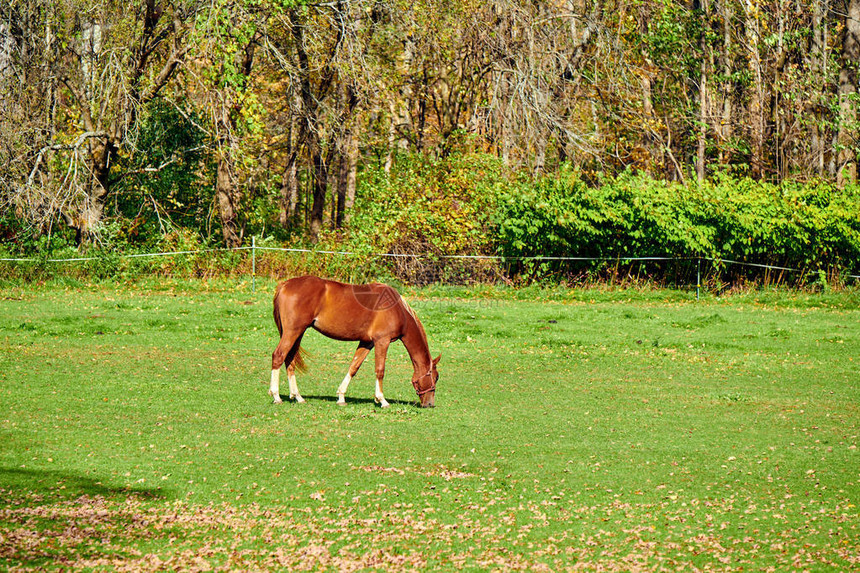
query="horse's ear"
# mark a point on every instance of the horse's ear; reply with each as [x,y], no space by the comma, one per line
[436,361]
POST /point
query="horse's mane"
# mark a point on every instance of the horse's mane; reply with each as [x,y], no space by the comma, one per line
[415,317]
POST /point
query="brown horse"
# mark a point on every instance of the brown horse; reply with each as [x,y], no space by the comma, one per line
[374,315]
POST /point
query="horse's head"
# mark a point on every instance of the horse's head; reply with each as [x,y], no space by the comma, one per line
[426,385]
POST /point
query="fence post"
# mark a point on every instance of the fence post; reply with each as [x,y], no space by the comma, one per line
[698,276]
[253,263]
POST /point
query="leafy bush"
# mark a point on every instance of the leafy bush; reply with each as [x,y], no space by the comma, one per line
[810,226]
[466,204]
[427,207]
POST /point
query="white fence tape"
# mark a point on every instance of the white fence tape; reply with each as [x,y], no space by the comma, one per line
[131,256]
[255,248]
[476,257]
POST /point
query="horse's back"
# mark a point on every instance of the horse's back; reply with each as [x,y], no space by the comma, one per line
[304,284]
[308,285]
[338,310]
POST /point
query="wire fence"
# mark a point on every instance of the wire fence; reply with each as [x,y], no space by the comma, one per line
[499,259]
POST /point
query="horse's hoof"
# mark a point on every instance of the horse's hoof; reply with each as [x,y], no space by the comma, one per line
[277,401]
[341,402]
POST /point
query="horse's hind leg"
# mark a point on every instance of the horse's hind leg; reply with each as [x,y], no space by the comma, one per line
[294,387]
[360,354]
[286,351]
[275,386]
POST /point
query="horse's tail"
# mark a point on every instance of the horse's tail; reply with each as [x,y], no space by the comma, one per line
[276,309]
[299,360]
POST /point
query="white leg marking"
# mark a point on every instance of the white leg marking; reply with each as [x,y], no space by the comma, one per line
[341,390]
[380,399]
[294,390]
[274,386]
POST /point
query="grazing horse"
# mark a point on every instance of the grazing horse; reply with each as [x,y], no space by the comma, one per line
[374,315]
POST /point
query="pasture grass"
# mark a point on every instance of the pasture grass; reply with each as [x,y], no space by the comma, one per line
[597,429]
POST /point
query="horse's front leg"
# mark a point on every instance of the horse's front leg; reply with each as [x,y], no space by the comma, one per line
[381,352]
[360,354]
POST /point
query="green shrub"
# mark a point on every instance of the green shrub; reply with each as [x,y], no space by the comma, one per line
[466,204]
[807,226]
[426,207]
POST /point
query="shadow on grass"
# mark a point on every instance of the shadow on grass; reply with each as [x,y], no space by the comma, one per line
[29,495]
[353,400]
[40,486]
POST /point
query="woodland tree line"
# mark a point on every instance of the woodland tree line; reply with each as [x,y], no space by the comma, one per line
[221,114]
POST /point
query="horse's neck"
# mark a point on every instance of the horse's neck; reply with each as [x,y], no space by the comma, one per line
[415,341]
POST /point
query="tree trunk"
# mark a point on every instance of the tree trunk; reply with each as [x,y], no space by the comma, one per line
[847,157]
[320,187]
[348,102]
[504,118]
[704,72]
[7,47]
[351,176]
[347,168]
[818,66]
[392,132]
[227,186]
[310,118]
[228,204]
[86,217]
[780,136]
[540,154]
[51,99]
[289,179]
[289,191]
[650,138]
[726,131]
[756,97]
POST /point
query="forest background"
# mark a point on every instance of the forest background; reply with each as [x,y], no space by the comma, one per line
[591,128]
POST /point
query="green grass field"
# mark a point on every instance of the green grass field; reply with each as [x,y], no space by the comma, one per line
[602,430]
